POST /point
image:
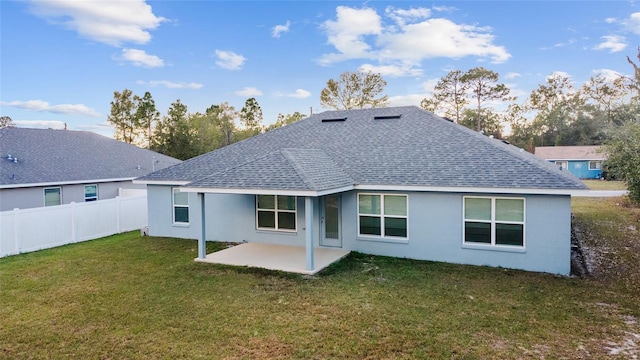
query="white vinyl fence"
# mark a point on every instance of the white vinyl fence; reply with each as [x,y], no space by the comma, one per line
[25,230]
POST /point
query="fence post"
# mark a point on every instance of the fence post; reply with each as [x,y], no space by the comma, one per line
[16,239]
[73,221]
[117,214]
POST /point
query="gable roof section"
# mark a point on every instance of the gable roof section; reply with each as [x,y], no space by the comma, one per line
[417,149]
[570,152]
[47,157]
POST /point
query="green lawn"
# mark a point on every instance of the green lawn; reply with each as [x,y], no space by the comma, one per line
[605,185]
[127,297]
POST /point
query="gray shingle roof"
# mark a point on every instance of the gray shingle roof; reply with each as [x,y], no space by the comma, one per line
[417,149]
[57,156]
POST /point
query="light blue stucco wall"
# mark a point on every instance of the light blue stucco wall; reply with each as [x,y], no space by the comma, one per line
[580,169]
[435,228]
[435,233]
[230,218]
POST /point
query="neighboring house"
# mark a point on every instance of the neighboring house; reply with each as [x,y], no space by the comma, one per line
[585,162]
[390,181]
[44,167]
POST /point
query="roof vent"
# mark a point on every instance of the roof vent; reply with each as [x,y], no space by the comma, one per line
[387,117]
[334,119]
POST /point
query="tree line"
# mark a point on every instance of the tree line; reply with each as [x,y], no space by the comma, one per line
[181,134]
[604,110]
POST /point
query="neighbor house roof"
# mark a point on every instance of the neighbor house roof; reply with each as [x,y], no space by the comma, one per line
[383,148]
[570,152]
[31,157]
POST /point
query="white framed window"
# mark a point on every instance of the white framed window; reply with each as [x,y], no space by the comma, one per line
[595,165]
[276,212]
[180,202]
[382,215]
[494,221]
[562,165]
[91,192]
[52,196]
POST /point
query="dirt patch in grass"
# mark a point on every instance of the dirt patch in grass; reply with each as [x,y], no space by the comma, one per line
[608,232]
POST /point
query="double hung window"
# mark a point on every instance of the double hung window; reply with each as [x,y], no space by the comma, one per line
[90,193]
[180,207]
[494,221]
[276,212]
[52,196]
[381,215]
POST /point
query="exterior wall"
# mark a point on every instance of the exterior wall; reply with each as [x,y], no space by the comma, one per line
[580,169]
[160,214]
[32,197]
[230,218]
[435,228]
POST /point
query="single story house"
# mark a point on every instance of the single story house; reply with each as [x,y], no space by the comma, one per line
[44,167]
[585,162]
[395,181]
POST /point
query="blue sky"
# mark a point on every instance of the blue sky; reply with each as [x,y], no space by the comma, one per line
[61,61]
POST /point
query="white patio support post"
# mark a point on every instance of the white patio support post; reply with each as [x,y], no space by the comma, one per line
[308,221]
[202,240]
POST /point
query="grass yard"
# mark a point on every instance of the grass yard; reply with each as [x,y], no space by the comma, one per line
[605,185]
[128,297]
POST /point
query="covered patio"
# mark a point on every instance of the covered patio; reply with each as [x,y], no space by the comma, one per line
[275,257]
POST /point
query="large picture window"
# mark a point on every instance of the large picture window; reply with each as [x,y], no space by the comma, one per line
[180,207]
[494,221]
[52,196]
[276,212]
[90,192]
[382,215]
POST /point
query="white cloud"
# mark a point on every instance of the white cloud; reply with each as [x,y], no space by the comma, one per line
[300,94]
[109,22]
[406,100]
[43,106]
[414,99]
[40,124]
[229,60]
[249,92]
[170,84]
[441,38]
[512,75]
[392,70]
[412,38]
[141,58]
[613,43]
[633,23]
[402,16]
[279,29]
[429,85]
[607,74]
[347,33]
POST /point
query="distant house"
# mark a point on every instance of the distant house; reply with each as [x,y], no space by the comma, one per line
[395,181]
[43,167]
[585,162]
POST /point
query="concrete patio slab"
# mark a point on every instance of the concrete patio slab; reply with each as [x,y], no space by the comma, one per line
[275,257]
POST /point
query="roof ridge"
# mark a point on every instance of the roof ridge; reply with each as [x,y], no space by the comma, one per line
[243,164]
[296,167]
